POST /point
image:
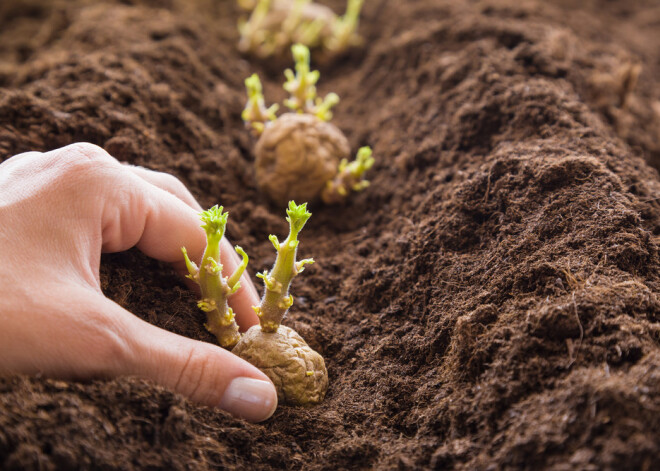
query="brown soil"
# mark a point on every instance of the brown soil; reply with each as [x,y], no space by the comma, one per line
[490,302]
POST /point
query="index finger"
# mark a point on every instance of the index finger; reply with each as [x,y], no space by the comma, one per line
[161,220]
[167,224]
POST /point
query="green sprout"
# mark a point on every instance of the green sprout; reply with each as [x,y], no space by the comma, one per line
[350,177]
[293,20]
[252,32]
[321,108]
[343,30]
[277,300]
[296,29]
[308,33]
[302,87]
[214,287]
[255,112]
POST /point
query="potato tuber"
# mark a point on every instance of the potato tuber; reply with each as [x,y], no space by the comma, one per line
[297,371]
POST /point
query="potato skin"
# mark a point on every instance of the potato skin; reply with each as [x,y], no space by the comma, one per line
[287,360]
[296,155]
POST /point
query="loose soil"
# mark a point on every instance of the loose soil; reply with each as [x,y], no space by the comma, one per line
[490,302]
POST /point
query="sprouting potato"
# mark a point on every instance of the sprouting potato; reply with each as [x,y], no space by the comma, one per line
[274,25]
[301,155]
[297,371]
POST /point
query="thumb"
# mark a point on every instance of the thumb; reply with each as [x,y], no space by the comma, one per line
[198,370]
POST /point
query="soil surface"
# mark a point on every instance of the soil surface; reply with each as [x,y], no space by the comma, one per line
[490,302]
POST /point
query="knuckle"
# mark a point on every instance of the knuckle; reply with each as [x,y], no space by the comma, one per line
[172,183]
[110,348]
[176,187]
[193,374]
[114,353]
[84,158]
[85,152]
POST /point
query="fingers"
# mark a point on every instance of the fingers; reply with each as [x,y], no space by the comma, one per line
[79,333]
[150,210]
[166,182]
[78,201]
[200,371]
[241,301]
[157,222]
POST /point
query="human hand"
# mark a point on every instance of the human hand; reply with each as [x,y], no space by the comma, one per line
[59,211]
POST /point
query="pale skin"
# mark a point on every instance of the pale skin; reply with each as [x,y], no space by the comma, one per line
[59,211]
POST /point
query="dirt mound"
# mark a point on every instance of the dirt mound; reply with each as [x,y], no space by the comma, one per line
[491,301]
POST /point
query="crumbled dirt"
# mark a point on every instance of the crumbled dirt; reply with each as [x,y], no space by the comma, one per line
[490,302]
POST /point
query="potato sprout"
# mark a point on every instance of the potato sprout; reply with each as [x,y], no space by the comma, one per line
[214,287]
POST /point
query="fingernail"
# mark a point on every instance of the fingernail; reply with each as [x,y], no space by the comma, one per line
[251,399]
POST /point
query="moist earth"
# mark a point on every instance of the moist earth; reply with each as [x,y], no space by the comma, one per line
[490,302]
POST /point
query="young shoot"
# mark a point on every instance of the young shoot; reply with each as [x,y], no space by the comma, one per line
[277,300]
[344,29]
[216,288]
[253,34]
[255,113]
[295,17]
[302,87]
[297,29]
[350,177]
